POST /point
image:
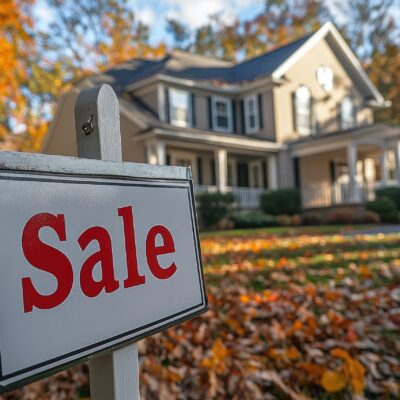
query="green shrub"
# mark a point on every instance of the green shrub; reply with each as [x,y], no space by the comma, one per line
[213,207]
[252,219]
[281,202]
[393,193]
[385,208]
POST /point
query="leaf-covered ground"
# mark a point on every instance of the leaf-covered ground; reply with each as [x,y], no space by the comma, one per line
[291,317]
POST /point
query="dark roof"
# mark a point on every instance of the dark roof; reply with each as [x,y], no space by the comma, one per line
[199,68]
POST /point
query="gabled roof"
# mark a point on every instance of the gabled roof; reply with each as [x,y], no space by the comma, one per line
[273,64]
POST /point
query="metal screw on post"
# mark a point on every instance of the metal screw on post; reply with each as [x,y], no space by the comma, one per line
[88,127]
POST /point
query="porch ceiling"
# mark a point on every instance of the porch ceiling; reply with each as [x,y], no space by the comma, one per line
[368,136]
[211,141]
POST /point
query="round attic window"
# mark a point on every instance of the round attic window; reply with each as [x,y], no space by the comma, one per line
[325,77]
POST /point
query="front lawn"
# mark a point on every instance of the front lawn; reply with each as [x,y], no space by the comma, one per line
[293,315]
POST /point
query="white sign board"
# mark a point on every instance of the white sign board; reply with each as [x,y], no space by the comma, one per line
[91,260]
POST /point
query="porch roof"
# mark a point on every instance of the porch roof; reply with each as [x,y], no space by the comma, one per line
[210,140]
[378,134]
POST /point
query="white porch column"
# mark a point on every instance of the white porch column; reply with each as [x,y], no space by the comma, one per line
[272,166]
[221,163]
[384,166]
[396,150]
[151,153]
[352,165]
[161,153]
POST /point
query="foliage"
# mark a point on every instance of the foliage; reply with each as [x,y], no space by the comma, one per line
[282,201]
[373,33]
[251,219]
[213,207]
[370,217]
[385,208]
[393,193]
[279,22]
[37,64]
[293,316]
[343,216]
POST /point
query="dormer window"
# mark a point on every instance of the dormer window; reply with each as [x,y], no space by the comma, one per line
[180,107]
[302,110]
[222,114]
[347,113]
[251,111]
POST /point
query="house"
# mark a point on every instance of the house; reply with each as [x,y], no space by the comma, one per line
[298,116]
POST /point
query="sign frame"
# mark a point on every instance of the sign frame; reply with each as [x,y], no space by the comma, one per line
[47,166]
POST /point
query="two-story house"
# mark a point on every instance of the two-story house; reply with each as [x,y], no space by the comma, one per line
[298,116]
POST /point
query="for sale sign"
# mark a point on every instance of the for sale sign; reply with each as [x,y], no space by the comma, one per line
[89,260]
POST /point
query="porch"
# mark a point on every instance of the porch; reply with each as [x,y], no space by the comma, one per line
[347,169]
[245,167]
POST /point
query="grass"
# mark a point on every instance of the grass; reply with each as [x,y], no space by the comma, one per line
[286,231]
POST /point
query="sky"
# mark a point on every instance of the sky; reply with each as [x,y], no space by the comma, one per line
[194,13]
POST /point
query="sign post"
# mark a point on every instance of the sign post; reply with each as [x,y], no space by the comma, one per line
[95,254]
[113,376]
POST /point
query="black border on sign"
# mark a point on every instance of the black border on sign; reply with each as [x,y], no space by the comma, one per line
[135,334]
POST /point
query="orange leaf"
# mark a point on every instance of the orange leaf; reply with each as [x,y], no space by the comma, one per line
[340,353]
[333,381]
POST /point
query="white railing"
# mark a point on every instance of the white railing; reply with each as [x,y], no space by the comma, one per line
[244,197]
[325,195]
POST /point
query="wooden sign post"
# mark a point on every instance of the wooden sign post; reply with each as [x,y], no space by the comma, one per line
[95,254]
[113,376]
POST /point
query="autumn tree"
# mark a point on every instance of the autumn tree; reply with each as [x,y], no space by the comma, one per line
[92,35]
[374,35]
[280,22]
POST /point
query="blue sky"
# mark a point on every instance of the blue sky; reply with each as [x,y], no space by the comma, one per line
[194,13]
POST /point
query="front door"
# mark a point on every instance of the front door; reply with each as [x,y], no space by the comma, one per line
[242,174]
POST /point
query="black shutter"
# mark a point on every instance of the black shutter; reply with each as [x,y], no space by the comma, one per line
[200,170]
[166,97]
[294,112]
[260,111]
[192,105]
[296,172]
[210,122]
[339,116]
[213,173]
[234,122]
[242,116]
[265,174]
[332,171]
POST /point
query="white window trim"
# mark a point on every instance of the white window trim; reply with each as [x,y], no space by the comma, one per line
[354,116]
[302,130]
[256,128]
[228,102]
[188,123]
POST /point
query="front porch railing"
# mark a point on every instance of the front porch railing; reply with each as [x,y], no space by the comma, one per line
[325,195]
[248,198]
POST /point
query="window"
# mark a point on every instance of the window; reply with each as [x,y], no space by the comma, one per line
[347,113]
[325,77]
[179,107]
[302,109]
[251,114]
[222,114]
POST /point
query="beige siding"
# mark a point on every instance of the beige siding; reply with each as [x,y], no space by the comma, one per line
[326,104]
[62,141]
[314,170]
[61,138]
[268,130]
